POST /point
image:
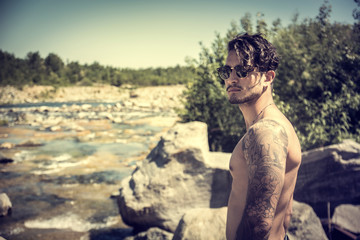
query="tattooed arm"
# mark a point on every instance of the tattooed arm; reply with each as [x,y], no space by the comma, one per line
[265,150]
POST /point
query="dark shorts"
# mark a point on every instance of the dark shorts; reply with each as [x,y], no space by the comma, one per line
[286,237]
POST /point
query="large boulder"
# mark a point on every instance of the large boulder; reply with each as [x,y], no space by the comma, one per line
[329,174]
[202,224]
[348,217]
[178,175]
[5,205]
[305,224]
[205,224]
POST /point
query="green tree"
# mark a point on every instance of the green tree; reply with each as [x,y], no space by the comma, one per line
[74,72]
[54,63]
[36,68]
[318,79]
[317,84]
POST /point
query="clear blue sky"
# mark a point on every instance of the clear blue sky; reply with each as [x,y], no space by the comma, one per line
[137,33]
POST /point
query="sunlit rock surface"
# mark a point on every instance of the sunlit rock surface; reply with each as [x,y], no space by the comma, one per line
[178,175]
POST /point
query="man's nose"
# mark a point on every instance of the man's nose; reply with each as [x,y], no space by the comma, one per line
[233,77]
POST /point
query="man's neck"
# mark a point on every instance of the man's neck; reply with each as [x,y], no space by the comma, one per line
[253,111]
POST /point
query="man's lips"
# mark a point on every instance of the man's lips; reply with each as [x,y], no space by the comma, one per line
[233,89]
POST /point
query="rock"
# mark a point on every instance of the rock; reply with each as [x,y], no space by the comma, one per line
[347,216]
[144,104]
[4,135]
[31,117]
[118,106]
[30,143]
[305,224]
[329,174]
[74,108]
[128,104]
[86,107]
[43,109]
[202,224]
[152,234]
[83,115]
[54,128]
[133,95]
[5,205]
[178,175]
[117,120]
[7,145]
[4,159]
[71,126]
[106,115]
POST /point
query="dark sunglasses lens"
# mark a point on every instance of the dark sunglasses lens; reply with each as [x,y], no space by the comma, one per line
[239,71]
[224,72]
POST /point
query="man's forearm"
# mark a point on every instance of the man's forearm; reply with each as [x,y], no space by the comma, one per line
[248,230]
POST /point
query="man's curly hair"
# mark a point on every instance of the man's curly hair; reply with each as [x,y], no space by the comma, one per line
[254,51]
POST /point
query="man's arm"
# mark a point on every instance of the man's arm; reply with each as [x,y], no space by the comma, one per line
[288,214]
[265,152]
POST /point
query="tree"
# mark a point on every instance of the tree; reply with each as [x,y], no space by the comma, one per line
[317,84]
[36,68]
[318,79]
[74,72]
[54,63]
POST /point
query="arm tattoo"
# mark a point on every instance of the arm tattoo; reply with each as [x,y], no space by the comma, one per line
[265,150]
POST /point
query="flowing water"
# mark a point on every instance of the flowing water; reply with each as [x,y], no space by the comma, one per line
[64,184]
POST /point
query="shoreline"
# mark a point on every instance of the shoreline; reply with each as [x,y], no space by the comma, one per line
[78,154]
[10,95]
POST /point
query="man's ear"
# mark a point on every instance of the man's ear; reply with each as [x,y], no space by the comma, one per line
[270,75]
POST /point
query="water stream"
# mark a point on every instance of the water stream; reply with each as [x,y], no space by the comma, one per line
[64,184]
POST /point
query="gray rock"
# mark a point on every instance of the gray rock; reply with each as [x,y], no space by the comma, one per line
[5,205]
[202,224]
[205,224]
[181,180]
[30,143]
[305,225]
[348,217]
[152,234]
[178,175]
[329,174]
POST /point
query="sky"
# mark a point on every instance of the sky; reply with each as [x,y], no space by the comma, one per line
[137,33]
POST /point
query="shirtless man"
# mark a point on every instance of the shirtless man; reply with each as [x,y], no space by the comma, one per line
[265,162]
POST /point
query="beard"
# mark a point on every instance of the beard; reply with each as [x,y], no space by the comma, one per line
[234,98]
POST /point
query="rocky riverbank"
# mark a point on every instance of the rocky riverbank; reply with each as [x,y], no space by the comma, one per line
[159,96]
[64,153]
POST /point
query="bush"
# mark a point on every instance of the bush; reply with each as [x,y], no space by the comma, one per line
[317,84]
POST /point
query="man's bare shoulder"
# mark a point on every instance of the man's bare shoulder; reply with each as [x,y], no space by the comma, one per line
[265,141]
[269,125]
[265,131]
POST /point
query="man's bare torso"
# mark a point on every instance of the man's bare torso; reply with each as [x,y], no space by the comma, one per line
[264,167]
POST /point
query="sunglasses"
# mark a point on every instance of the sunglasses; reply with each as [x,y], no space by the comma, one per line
[225,71]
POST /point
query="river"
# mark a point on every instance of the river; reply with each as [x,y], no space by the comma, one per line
[68,162]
